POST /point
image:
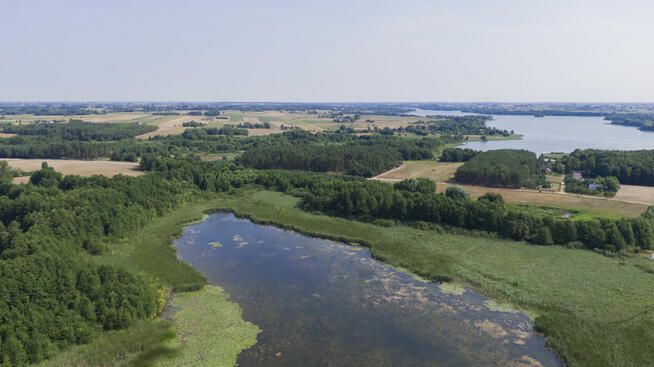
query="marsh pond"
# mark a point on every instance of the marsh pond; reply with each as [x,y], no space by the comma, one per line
[325,303]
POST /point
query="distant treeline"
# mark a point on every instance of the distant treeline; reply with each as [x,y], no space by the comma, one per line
[81,130]
[256,125]
[457,154]
[49,110]
[366,156]
[505,167]
[643,121]
[629,167]
[456,125]
[54,147]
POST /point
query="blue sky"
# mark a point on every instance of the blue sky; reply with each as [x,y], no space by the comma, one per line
[355,50]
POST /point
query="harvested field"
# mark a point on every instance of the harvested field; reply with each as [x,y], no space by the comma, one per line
[261,132]
[636,194]
[598,205]
[76,167]
[170,126]
[631,203]
[436,171]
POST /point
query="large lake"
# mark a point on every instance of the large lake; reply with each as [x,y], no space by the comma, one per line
[324,303]
[558,133]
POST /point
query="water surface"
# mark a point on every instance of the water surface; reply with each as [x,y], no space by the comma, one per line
[558,133]
[324,303]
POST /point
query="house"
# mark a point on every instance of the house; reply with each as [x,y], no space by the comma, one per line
[593,186]
[546,168]
[577,175]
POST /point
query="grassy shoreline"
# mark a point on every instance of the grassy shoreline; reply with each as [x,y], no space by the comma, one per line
[592,308]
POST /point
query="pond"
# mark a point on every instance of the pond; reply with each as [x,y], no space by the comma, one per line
[558,133]
[324,303]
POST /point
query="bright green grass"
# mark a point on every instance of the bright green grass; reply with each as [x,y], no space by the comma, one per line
[235,117]
[130,347]
[210,330]
[595,310]
[268,119]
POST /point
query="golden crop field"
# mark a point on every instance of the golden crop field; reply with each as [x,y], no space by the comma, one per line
[631,203]
[75,167]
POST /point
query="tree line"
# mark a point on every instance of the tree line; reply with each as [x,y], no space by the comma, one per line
[457,154]
[367,156]
[81,130]
[629,167]
[417,201]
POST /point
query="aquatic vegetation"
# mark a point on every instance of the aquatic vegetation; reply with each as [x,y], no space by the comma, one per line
[215,244]
[452,288]
[210,330]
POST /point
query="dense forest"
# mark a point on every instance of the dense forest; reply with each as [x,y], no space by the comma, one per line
[629,167]
[367,156]
[456,125]
[417,201]
[457,154]
[54,147]
[51,294]
[505,167]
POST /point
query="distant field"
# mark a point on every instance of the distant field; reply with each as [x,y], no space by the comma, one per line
[436,171]
[632,202]
[75,167]
[596,205]
[172,124]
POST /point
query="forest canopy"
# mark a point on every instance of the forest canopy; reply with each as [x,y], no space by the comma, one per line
[504,167]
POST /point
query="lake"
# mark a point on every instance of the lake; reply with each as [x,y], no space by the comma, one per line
[325,303]
[558,133]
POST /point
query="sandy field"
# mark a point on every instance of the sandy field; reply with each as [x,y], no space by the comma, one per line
[170,126]
[436,171]
[76,167]
[636,194]
[631,201]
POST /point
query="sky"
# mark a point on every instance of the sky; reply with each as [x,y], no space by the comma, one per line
[327,51]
